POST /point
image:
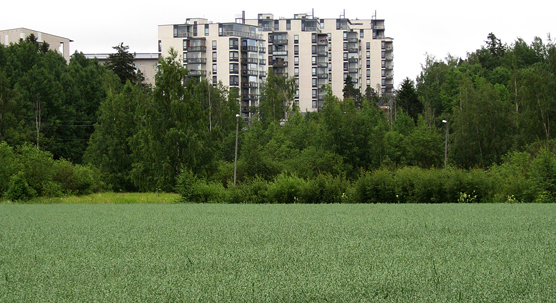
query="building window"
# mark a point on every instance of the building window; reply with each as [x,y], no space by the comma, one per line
[296,60]
[206,29]
[234,80]
[321,23]
[214,69]
[383,54]
[314,60]
[382,45]
[345,46]
[214,56]
[233,43]
[329,37]
[184,45]
[313,49]
[234,56]
[382,64]
[213,44]
[368,63]
[314,104]
[214,80]
[345,56]
[361,33]
[383,73]
[345,66]
[314,71]
[368,54]
[345,35]
[368,45]
[368,73]
[314,38]
[288,24]
[295,38]
[159,46]
[297,93]
[276,25]
[314,82]
[296,49]
[315,93]
[234,68]
[296,71]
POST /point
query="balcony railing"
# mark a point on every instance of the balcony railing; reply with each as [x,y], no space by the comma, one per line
[322,64]
[378,27]
[249,72]
[249,97]
[353,60]
[353,50]
[262,49]
[197,73]
[389,67]
[196,49]
[322,42]
[280,53]
[250,84]
[280,64]
[250,60]
[280,41]
[262,74]
[262,61]
[323,76]
[245,48]
[389,58]
[196,60]
[353,40]
[242,35]
[353,70]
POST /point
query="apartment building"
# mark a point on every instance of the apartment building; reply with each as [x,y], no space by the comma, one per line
[147,63]
[315,51]
[57,43]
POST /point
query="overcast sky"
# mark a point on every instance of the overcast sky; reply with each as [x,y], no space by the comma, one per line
[418,27]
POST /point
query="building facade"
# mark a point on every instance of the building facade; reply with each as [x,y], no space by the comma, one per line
[315,51]
[57,43]
[147,63]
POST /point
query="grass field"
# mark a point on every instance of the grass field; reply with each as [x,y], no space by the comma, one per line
[279,253]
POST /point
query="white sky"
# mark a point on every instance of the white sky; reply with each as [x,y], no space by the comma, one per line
[418,27]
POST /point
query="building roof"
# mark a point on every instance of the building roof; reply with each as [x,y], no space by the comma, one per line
[32,30]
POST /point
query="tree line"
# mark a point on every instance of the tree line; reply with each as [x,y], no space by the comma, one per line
[179,135]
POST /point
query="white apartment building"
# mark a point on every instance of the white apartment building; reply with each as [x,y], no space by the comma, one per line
[57,43]
[147,63]
[315,51]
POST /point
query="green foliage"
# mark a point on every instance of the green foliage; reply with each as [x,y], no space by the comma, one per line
[285,189]
[19,189]
[277,94]
[543,176]
[376,187]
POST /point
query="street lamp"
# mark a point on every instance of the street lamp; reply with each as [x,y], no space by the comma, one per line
[446,145]
[235,161]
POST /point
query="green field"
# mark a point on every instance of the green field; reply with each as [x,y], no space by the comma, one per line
[279,253]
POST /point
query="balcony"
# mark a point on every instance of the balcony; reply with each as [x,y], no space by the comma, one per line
[322,64]
[280,41]
[389,67]
[389,48]
[280,53]
[353,70]
[389,58]
[311,29]
[196,60]
[262,49]
[378,27]
[353,40]
[322,53]
[280,63]
[250,60]
[196,49]
[323,76]
[389,77]
[250,84]
[281,73]
[249,97]
[234,71]
[262,61]
[249,72]
[353,50]
[198,73]
[245,48]
[353,60]
[262,74]
[322,42]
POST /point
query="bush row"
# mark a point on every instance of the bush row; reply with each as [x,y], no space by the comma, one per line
[519,179]
[27,172]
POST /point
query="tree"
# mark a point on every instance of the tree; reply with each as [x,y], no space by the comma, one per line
[350,91]
[277,96]
[408,100]
[121,63]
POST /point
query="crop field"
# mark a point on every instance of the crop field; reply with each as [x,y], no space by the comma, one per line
[277,253]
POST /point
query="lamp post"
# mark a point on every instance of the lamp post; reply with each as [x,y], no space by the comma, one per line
[235,160]
[446,145]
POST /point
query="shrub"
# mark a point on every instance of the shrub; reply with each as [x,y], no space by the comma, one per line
[19,189]
[285,189]
[543,176]
[325,189]
[376,187]
[9,166]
